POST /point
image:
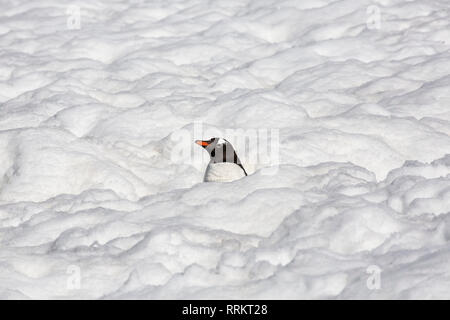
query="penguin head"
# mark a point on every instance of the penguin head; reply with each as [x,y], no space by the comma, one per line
[214,147]
[208,145]
[219,149]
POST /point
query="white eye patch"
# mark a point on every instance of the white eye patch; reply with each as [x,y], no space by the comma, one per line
[221,141]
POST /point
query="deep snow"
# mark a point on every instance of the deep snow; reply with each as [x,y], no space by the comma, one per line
[90,118]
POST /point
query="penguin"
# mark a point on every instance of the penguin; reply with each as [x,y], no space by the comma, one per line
[224,165]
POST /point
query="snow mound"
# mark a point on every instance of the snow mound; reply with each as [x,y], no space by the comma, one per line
[94,204]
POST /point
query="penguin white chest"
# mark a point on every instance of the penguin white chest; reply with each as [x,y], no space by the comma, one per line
[223,172]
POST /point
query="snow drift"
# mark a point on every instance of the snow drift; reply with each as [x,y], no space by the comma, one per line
[89,115]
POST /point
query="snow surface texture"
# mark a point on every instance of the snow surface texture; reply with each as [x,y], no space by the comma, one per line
[88,187]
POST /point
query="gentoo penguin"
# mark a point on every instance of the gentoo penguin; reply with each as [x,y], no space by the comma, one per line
[224,165]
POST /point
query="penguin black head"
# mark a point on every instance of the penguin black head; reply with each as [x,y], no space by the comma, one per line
[220,150]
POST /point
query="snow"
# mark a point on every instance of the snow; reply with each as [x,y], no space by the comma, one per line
[101,192]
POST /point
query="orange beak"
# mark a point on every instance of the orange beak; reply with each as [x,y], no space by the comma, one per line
[202,143]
